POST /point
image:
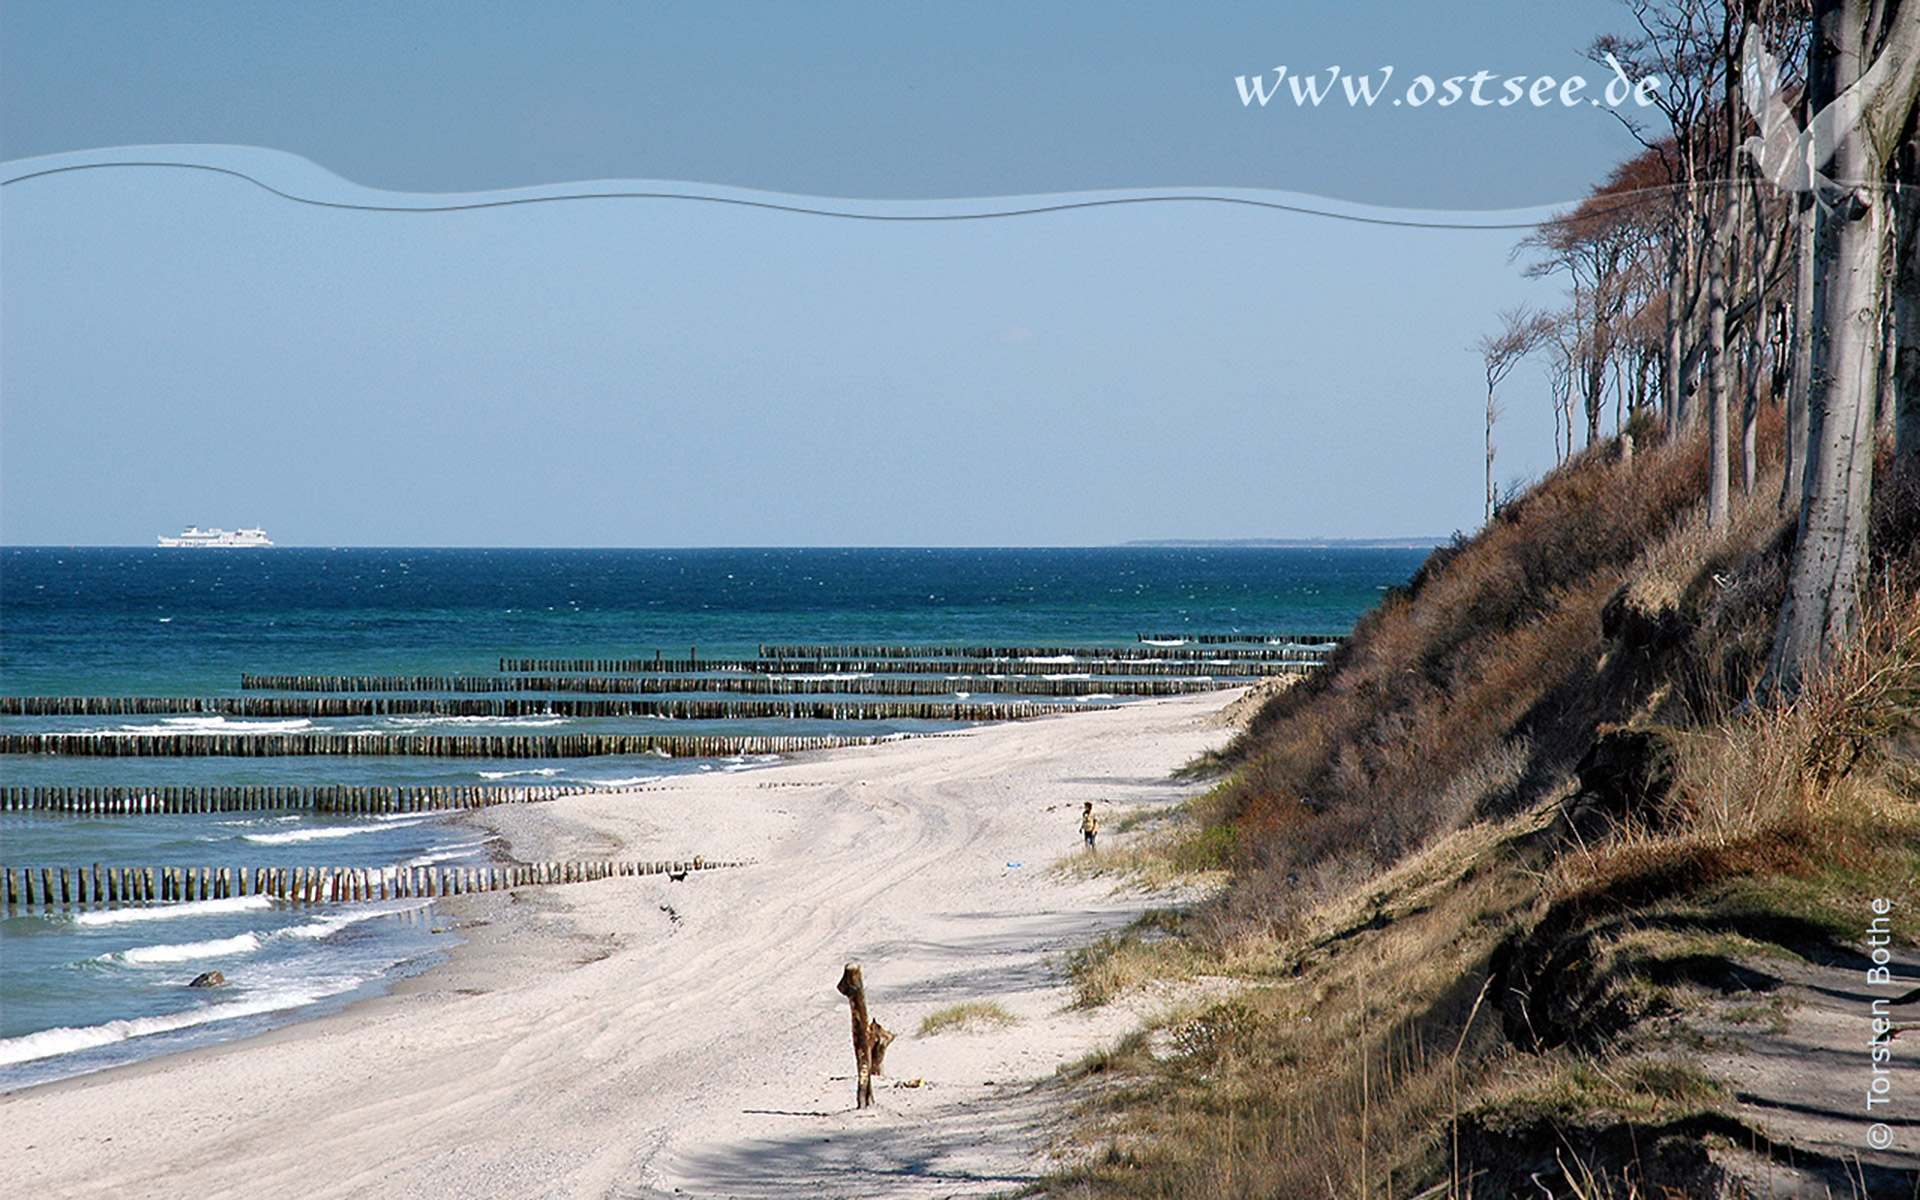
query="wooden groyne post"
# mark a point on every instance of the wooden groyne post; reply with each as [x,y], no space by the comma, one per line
[870,1038]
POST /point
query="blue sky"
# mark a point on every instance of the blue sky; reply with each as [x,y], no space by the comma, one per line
[179,346]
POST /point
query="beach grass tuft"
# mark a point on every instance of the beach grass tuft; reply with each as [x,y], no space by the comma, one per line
[973,1016]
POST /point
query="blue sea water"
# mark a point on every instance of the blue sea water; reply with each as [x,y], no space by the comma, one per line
[80,991]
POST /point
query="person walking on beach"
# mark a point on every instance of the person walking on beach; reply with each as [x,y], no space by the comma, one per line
[1089,824]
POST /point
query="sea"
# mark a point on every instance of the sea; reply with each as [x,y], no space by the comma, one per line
[86,989]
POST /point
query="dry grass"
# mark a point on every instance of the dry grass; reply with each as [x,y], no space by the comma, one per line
[1148,952]
[973,1016]
[1411,864]
[1781,792]
[1339,1041]
[1473,692]
[1172,849]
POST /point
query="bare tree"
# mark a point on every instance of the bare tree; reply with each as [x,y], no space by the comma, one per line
[1602,247]
[1720,249]
[1864,76]
[1681,42]
[1521,331]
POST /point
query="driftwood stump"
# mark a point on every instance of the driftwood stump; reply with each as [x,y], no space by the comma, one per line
[870,1038]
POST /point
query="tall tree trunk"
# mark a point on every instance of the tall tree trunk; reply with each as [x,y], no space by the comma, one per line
[1823,589]
[1887,340]
[1793,479]
[1717,369]
[1594,392]
[1906,308]
[1720,249]
[1756,327]
[1493,411]
[1680,355]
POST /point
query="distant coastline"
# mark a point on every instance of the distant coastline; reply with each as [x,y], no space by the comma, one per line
[1400,543]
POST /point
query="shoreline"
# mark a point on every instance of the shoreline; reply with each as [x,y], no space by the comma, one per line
[642,1036]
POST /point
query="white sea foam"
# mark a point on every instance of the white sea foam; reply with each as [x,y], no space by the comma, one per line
[440,854]
[325,927]
[324,833]
[220,724]
[246,943]
[247,822]
[543,772]
[1081,675]
[1048,658]
[432,719]
[67,1039]
[158,912]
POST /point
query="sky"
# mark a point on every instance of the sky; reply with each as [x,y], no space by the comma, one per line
[182,345]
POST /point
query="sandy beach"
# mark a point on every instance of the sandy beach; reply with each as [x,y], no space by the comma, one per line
[644,1037]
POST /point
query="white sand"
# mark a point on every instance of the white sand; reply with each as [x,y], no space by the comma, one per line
[588,1042]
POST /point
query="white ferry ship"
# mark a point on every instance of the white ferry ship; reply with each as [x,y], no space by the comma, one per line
[193,535]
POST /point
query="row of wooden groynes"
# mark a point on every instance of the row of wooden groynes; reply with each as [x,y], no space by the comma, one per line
[53,887]
[1144,667]
[739,685]
[381,706]
[279,745]
[791,657]
[1275,646]
[749,684]
[337,798]
[1244,639]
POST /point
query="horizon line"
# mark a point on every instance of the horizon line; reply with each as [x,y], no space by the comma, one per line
[1385,543]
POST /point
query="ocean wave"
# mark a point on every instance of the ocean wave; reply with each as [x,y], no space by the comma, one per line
[430,720]
[219,724]
[543,772]
[246,943]
[67,1039]
[1048,658]
[247,822]
[159,912]
[325,927]
[440,854]
[324,833]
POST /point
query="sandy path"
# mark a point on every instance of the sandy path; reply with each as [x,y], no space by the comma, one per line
[638,1037]
[1804,1084]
